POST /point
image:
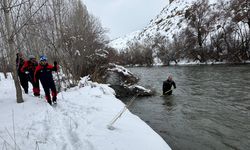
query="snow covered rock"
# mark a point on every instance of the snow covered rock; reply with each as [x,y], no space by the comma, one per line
[124,82]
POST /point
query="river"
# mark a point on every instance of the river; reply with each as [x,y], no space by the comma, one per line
[209,109]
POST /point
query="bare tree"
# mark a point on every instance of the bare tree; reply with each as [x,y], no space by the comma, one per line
[231,38]
[200,24]
[241,20]
[13,27]
[11,48]
[4,64]
[241,11]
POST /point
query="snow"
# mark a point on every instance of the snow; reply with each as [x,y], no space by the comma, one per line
[120,69]
[78,122]
[121,43]
[166,23]
[186,62]
[170,22]
[140,87]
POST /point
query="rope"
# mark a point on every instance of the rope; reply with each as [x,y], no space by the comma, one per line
[167,92]
[110,125]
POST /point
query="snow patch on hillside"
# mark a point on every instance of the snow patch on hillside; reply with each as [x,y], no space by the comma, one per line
[170,21]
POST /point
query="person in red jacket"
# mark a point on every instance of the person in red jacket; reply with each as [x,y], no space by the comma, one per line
[43,73]
[22,76]
[29,68]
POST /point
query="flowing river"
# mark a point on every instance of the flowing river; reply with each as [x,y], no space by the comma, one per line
[209,109]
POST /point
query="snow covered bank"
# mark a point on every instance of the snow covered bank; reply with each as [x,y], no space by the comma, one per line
[79,121]
[186,62]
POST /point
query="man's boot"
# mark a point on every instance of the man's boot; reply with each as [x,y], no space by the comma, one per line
[54,99]
[48,99]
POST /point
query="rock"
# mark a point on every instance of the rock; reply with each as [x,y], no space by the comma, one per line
[124,82]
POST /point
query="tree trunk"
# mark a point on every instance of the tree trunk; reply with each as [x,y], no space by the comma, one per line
[4,65]
[199,37]
[4,53]
[12,51]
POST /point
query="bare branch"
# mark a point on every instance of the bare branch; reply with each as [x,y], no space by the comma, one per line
[25,23]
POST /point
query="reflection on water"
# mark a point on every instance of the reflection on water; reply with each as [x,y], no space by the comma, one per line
[210,109]
[168,102]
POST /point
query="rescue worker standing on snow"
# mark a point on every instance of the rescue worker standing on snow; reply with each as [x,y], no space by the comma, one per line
[29,68]
[44,74]
[22,76]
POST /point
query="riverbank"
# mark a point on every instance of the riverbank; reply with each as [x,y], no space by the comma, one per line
[186,63]
[78,122]
[190,63]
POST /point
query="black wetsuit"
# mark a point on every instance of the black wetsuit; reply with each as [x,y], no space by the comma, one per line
[167,86]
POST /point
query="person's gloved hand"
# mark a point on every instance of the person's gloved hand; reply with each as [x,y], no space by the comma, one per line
[26,72]
[55,63]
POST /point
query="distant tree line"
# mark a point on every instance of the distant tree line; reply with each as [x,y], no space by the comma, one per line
[214,33]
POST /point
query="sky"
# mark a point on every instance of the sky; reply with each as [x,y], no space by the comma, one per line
[122,17]
[78,122]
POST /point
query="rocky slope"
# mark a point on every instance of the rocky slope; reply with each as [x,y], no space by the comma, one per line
[169,22]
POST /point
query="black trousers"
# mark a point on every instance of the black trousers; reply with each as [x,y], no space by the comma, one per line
[47,86]
[24,81]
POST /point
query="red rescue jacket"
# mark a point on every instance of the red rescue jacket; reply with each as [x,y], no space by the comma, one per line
[29,66]
[44,73]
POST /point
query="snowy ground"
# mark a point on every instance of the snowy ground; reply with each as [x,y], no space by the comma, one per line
[78,122]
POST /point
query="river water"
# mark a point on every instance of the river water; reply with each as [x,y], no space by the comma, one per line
[209,109]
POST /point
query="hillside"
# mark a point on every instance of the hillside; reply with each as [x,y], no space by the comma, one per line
[168,22]
[185,26]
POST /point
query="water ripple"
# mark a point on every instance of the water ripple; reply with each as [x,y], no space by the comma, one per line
[210,109]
